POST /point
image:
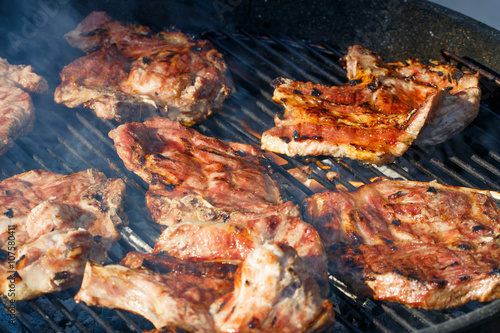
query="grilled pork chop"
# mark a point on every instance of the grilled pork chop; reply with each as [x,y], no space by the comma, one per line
[273,292]
[17,113]
[175,297]
[193,177]
[423,244]
[378,114]
[51,224]
[163,299]
[230,242]
[131,73]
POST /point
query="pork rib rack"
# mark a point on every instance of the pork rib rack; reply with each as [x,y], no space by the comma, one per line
[131,73]
[423,244]
[378,114]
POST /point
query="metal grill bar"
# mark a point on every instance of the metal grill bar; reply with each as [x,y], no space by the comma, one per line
[132,326]
[73,321]
[45,317]
[98,319]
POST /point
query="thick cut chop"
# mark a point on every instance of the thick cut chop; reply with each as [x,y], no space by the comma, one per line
[423,244]
[173,299]
[378,114]
[193,177]
[230,242]
[131,73]
[51,224]
[17,113]
[273,292]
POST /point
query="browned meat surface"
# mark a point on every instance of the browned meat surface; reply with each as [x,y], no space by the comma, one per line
[17,113]
[273,292]
[423,244]
[174,299]
[378,114]
[163,264]
[132,73]
[193,177]
[51,224]
[53,262]
[229,242]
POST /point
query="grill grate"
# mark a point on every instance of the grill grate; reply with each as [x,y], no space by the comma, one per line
[68,141]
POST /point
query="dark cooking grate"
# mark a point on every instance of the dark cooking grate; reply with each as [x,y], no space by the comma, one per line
[68,141]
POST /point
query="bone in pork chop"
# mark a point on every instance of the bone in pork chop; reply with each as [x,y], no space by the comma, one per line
[17,113]
[378,114]
[131,73]
[272,293]
[51,224]
[176,299]
[193,177]
[422,244]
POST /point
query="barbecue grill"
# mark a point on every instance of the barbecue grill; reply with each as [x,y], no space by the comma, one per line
[261,40]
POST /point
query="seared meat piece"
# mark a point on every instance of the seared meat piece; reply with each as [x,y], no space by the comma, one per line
[273,293]
[50,263]
[164,299]
[193,177]
[52,224]
[131,73]
[378,114]
[230,242]
[288,301]
[17,113]
[423,244]
[22,76]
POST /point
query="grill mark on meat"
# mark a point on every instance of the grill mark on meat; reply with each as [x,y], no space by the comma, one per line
[4,255]
[396,222]
[9,213]
[464,247]
[450,265]
[431,190]
[315,92]
[477,228]
[255,322]
[241,153]
[396,195]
